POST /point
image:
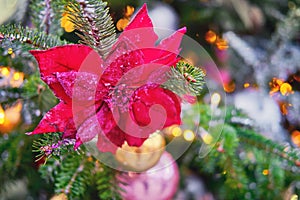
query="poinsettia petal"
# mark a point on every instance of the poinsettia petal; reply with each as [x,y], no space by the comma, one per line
[65,59]
[58,119]
[172,43]
[167,51]
[105,145]
[150,95]
[88,129]
[111,135]
[121,65]
[135,141]
[140,30]
[85,89]
[137,35]
[61,59]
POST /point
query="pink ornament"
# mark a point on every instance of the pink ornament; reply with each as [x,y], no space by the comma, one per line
[158,183]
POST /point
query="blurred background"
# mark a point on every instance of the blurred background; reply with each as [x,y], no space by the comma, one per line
[255,45]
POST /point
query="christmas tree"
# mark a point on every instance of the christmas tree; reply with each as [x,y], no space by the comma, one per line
[149,99]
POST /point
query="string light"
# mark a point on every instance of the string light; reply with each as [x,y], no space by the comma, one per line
[265,172]
[188,135]
[10,51]
[176,131]
[2,115]
[207,138]
[229,87]
[294,197]
[279,85]
[284,107]
[210,37]
[296,137]
[123,22]
[4,71]
[221,44]
[215,99]
[286,89]
[16,76]
[246,85]
[17,79]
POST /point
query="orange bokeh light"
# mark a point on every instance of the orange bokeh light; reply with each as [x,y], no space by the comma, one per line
[210,36]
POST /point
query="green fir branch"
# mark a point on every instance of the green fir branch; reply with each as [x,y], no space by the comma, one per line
[92,18]
[290,157]
[73,177]
[107,184]
[31,37]
[46,15]
[242,158]
[185,79]
[52,144]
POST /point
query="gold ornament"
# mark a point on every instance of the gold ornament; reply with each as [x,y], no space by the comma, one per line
[144,157]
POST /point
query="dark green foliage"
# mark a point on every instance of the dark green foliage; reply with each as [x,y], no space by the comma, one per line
[31,37]
[46,15]
[107,185]
[244,163]
[74,172]
[17,164]
[93,20]
[185,79]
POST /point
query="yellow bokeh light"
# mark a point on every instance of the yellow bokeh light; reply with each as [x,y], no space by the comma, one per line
[176,131]
[294,197]
[286,89]
[275,85]
[129,10]
[229,87]
[10,51]
[215,99]
[207,138]
[16,76]
[66,22]
[246,85]
[210,36]
[284,107]
[122,24]
[265,172]
[189,135]
[4,71]
[221,44]
[2,115]
[296,137]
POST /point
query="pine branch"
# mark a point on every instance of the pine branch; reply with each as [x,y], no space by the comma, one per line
[28,36]
[185,79]
[242,157]
[47,15]
[73,177]
[289,156]
[53,145]
[92,18]
[106,183]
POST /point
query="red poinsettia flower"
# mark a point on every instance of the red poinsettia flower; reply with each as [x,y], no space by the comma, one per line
[118,98]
